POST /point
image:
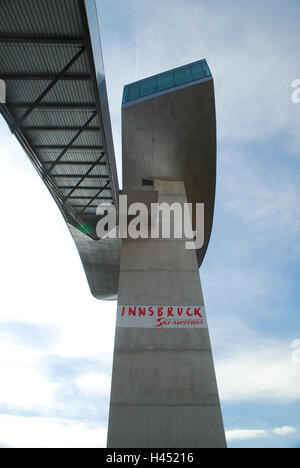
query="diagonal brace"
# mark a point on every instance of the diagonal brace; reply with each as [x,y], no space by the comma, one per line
[70,144]
[95,197]
[83,177]
[51,85]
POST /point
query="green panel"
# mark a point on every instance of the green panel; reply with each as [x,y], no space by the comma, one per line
[148,87]
[164,81]
[183,76]
[206,69]
[133,92]
[126,93]
[197,71]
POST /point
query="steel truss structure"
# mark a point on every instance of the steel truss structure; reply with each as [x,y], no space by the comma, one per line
[51,61]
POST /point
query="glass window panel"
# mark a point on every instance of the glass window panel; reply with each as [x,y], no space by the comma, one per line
[133,92]
[125,97]
[165,82]
[148,87]
[197,72]
[205,68]
[183,76]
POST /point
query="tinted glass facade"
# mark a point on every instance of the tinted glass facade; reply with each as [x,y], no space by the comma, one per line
[168,80]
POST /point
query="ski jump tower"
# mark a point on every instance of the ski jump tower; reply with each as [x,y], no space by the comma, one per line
[164,391]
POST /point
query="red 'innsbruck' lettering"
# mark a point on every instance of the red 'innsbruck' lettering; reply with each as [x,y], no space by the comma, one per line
[161,316]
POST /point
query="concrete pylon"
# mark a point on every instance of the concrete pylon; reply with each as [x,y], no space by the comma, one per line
[164,391]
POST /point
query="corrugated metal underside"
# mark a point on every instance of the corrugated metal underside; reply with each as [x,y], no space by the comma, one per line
[53,106]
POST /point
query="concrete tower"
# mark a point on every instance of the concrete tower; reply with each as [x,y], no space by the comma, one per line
[164,390]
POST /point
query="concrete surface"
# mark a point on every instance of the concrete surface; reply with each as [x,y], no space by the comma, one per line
[101,261]
[164,390]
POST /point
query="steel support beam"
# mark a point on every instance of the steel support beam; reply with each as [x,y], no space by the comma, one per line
[91,198]
[55,106]
[43,77]
[74,176]
[59,129]
[91,206]
[70,187]
[75,163]
[52,41]
[77,148]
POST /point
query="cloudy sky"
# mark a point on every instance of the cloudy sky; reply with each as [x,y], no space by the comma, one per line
[56,341]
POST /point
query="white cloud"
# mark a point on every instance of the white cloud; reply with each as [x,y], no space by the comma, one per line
[94,384]
[263,373]
[244,434]
[284,431]
[24,432]
[267,201]
[89,331]
[23,383]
